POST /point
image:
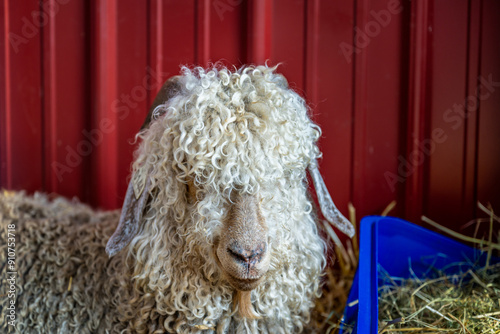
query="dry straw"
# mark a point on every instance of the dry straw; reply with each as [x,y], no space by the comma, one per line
[467,302]
[327,315]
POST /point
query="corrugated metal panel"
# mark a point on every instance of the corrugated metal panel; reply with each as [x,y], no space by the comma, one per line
[376,107]
[488,131]
[329,87]
[22,160]
[65,102]
[447,79]
[380,76]
[412,175]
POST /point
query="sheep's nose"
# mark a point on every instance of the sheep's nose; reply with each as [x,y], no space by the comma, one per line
[246,254]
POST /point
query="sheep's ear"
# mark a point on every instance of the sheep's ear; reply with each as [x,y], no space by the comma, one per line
[137,195]
[134,204]
[328,208]
[170,88]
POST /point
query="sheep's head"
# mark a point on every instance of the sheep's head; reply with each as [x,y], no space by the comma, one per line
[220,181]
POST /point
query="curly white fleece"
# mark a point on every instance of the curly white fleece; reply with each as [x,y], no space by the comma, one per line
[242,131]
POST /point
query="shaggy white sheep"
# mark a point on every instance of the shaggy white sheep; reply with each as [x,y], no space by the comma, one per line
[217,233]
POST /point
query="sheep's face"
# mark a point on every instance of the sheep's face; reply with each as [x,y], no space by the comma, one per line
[234,151]
[228,206]
[245,228]
[240,155]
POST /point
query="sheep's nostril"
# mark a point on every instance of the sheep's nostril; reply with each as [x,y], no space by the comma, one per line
[245,255]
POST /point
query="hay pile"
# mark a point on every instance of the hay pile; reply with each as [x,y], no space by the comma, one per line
[464,303]
[467,302]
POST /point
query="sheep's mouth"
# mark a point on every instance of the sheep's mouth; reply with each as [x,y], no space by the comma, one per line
[239,283]
[243,284]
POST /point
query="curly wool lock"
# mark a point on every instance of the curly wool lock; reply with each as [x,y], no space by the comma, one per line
[220,138]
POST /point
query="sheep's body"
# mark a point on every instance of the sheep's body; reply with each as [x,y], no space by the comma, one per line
[65,282]
[222,133]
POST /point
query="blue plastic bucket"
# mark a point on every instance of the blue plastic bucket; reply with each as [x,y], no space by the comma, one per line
[395,245]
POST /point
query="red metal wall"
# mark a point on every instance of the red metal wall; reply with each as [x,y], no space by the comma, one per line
[387,80]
